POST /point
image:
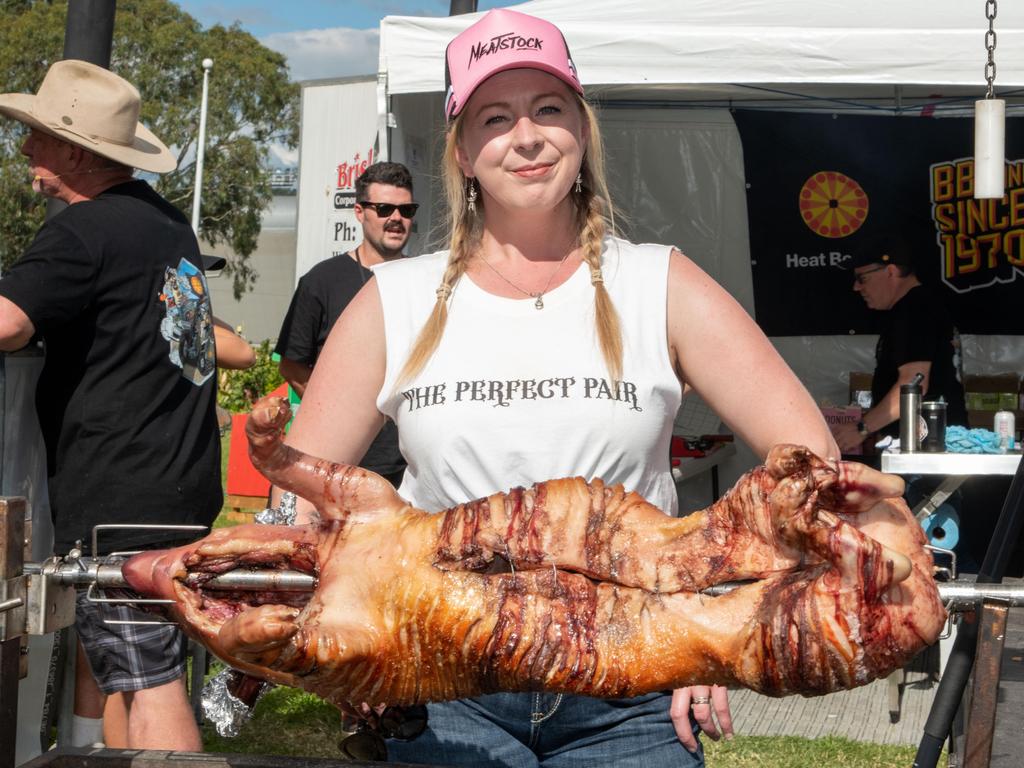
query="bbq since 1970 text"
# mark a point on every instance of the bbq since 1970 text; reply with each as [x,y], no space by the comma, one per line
[979,238]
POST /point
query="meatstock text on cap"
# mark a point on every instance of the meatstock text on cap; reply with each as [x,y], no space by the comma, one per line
[503,40]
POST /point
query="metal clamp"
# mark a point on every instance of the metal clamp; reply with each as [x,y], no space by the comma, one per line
[951,572]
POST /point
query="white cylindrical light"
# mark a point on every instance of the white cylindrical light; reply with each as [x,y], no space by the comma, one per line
[989,148]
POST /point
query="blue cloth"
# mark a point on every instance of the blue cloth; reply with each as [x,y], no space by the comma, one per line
[962,440]
[528,730]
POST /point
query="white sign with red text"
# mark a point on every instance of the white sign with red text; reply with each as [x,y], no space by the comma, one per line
[337,141]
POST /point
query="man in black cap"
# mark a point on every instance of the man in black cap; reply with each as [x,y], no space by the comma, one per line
[918,336]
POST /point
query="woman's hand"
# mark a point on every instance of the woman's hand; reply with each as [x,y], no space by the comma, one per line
[708,702]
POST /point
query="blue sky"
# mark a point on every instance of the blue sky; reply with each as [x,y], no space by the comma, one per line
[263,17]
[321,38]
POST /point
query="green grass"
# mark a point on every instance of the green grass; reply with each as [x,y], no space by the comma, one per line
[286,721]
[796,752]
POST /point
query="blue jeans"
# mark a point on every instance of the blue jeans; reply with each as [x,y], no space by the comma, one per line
[529,730]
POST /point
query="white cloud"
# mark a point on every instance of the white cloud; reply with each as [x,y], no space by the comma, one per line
[320,53]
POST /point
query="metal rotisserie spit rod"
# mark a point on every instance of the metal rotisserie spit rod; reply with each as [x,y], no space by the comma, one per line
[959,596]
[105,575]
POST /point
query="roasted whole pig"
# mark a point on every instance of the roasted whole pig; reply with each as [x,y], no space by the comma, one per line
[566,586]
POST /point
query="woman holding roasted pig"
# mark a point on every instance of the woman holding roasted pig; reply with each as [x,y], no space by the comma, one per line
[539,345]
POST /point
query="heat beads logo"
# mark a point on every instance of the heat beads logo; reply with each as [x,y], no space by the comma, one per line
[981,241]
[832,204]
[503,42]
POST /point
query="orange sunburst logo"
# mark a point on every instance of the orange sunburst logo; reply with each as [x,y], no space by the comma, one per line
[832,204]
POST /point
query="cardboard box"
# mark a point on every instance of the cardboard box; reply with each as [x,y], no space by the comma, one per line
[977,419]
[860,389]
[998,392]
[834,416]
[991,401]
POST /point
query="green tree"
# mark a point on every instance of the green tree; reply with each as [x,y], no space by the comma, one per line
[159,48]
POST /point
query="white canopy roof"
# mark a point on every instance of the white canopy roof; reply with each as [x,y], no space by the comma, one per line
[673,44]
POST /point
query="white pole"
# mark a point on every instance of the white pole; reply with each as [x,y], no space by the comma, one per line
[201,147]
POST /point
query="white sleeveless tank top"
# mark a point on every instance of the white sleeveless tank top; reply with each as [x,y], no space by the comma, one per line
[515,395]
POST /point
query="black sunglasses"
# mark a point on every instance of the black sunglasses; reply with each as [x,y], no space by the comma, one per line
[366,742]
[405,210]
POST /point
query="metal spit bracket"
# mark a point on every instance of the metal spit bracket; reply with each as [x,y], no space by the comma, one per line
[51,605]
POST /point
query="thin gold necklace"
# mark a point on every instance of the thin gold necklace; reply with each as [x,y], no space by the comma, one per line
[539,296]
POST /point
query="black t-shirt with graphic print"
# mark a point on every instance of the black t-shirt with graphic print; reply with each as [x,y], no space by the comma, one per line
[127,396]
[919,328]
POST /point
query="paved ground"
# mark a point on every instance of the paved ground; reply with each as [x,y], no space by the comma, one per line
[861,714]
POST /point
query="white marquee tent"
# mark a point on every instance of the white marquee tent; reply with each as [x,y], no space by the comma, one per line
[685,48]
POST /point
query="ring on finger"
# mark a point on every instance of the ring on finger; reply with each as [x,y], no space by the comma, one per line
[700,700]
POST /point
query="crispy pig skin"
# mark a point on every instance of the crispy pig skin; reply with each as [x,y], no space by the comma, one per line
[568,586]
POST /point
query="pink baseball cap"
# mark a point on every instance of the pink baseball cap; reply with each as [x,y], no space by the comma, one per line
[502,40]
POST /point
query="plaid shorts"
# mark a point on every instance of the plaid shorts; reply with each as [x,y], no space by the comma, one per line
[128,657]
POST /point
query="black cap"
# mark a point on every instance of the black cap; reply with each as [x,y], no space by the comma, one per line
[880,250]
[213,263]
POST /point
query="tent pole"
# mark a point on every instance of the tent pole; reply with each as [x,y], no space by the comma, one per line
[88,36]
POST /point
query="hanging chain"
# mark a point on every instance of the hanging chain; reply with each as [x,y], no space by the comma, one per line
[990,45]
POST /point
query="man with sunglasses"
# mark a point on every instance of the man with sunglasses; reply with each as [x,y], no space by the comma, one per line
[917,336]
[385,209]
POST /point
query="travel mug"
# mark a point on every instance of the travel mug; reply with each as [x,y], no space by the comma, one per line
[934,414]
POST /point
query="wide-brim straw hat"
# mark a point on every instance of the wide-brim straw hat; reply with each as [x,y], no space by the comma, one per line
[92,108]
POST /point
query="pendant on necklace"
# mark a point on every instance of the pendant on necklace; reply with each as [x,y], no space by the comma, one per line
[539,303]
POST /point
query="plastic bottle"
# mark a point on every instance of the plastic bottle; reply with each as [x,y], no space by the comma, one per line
[910,414]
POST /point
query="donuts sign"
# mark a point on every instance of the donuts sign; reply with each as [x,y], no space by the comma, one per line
[981,241]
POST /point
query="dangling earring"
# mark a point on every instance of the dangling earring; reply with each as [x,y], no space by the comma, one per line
[471,197]
[579,182]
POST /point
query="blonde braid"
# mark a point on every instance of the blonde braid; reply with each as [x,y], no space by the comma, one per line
[464,236]
[596,218]
[609,330]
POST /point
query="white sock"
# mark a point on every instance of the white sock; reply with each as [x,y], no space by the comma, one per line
[86,731]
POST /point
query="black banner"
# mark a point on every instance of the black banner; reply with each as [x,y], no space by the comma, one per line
[820,187]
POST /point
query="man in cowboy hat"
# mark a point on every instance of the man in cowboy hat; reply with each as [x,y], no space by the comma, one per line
[114,286]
